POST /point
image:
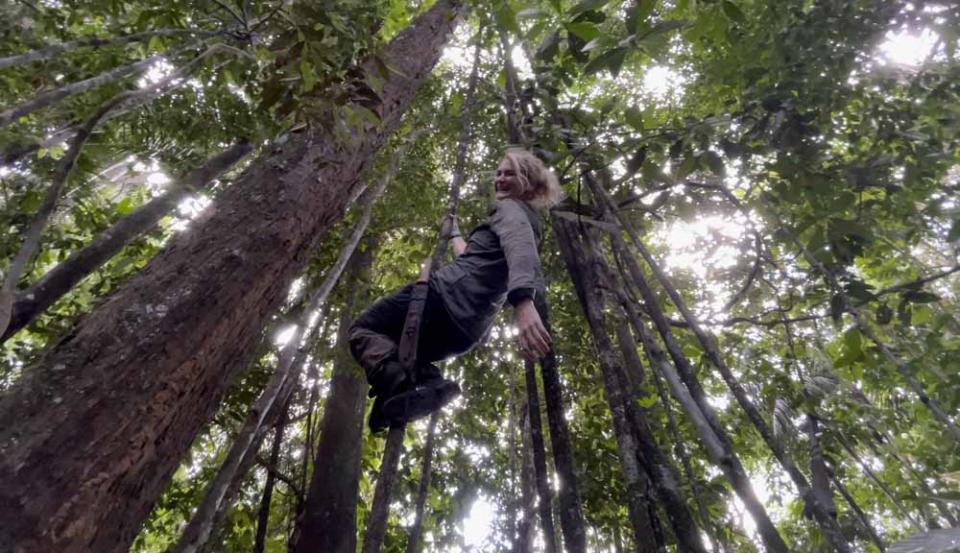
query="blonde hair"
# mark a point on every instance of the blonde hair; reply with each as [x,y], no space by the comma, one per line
[539,187]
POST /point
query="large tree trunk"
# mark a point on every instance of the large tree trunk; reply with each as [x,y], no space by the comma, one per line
[329,519]
[90,436]
[292,358]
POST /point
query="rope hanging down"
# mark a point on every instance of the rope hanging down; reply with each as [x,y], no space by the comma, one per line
[407,349]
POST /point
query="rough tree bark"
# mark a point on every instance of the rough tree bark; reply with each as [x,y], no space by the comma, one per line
[328,522]
[243,451]
[61,279]
[539,460]
[90,436]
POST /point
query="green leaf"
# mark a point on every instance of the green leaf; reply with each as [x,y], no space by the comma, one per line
[531,13]
[586,6]
[637,14]
[884,314]
[307,75]
[853,342]
[549,47]
[125,206]
[507,18]
[921,315]
[733,12]
[634,117]
[611,59]
[688,166]
[584,30]
[647,402]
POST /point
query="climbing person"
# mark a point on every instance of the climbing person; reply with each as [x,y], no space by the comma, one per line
[498,262]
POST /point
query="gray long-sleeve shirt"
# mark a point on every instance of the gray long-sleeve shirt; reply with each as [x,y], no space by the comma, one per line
[500,263]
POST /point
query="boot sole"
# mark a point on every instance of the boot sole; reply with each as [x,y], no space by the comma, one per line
[419,402]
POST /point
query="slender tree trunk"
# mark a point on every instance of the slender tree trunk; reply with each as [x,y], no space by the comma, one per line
[52,50]
[858,513]
[51,97]
[680,449]
[568,495]
[329,519]
[827,524]
[882,442]
[539,460]
[897,505]
[380,510]
[61,279]
[687,390]
[633,434]
[31,241]
[173,337]
[263,516]
[819,476]
[528,498]
[635,479]
[413,543]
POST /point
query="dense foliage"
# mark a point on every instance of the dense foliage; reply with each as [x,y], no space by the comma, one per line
[794,165]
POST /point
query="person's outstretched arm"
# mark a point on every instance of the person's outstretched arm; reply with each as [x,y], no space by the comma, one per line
[519,245]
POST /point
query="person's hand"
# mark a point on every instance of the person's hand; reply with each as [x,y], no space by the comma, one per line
[449,226]
[534,340]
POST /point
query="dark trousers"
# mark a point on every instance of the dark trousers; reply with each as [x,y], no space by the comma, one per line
[375,335]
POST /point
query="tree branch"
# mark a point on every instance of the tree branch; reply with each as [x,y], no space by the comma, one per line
[52,50]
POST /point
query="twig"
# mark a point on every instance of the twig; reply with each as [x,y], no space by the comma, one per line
[232,12]
[281,477]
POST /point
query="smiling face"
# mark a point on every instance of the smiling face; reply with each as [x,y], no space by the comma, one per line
[506,183]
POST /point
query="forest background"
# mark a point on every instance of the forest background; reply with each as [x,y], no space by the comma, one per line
[752,280]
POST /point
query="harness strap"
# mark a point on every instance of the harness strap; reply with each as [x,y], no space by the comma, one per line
[407,349]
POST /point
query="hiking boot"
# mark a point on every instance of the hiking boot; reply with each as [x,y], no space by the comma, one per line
[377,422]
[388,378]
[425,398]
